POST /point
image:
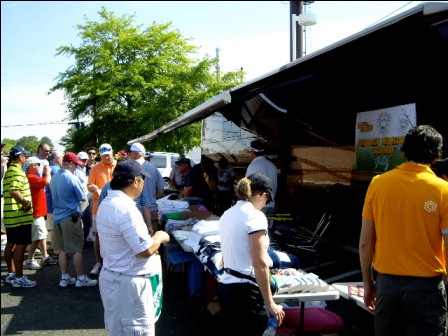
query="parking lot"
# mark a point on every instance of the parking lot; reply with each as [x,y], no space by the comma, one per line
[49,310]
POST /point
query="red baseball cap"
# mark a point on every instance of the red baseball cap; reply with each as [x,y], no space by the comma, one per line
[72,157]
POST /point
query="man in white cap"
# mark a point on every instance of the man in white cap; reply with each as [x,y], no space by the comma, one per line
[39,230]
[154,184]
[99,175]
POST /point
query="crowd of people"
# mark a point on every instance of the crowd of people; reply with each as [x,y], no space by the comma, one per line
[74,198]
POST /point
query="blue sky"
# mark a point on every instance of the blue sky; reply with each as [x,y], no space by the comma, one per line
[253,35]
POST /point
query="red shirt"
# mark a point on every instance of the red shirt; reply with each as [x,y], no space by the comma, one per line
[37,185]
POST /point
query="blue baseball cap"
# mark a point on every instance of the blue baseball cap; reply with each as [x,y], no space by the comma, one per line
[17,150]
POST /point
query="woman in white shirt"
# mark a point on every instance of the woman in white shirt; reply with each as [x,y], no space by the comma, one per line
[244,290]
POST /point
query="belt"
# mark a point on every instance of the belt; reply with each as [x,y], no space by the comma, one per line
[407,277]
[129,275]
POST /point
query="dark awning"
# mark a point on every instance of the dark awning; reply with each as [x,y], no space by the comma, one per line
[316,97]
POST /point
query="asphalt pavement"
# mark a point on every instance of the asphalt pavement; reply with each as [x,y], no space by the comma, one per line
[50,310]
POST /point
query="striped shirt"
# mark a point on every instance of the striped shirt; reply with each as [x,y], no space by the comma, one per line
[13,214]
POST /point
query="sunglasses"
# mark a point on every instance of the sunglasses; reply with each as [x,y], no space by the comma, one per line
[91,153]
[143,177]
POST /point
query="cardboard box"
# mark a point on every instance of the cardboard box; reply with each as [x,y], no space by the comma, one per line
[195,213]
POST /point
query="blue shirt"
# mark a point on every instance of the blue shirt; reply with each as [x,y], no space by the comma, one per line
[53,170]
[67,192]
[140,201]
[153,183]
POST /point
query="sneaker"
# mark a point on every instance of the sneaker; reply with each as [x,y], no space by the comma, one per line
[84,281]
[32,265]
[66,280]
[9,278]
[53,254]
[23,282]
[48,261]
[96,269]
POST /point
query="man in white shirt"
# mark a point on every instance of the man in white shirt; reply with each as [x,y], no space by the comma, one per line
[131,264]
[260,164]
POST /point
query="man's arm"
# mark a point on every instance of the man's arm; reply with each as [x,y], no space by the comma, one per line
[159,238]
[366,253]
[445,238]
[147,216]
[46,174]
[20,199]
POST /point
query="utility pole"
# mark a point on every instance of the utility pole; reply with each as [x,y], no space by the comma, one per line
[296,36]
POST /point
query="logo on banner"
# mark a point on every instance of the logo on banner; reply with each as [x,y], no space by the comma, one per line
[379,136]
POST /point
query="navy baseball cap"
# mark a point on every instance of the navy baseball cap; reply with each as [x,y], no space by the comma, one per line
[127,169]
[17,150]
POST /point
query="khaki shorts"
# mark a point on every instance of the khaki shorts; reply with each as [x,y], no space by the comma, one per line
[50,221]
[39,229]
[69,235]
[94,229]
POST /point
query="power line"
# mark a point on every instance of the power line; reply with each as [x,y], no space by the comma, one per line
[392,13]
[34,124]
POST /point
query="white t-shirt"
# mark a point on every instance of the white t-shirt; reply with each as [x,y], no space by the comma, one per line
[263,166]
[123,234]
[235,227]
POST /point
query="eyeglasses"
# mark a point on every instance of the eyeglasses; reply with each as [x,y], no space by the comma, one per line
[47,150]
[91,153]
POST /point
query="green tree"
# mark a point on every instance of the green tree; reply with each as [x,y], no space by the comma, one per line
[30,143]
[130,80]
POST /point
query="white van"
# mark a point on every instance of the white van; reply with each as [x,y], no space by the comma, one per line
[165,161]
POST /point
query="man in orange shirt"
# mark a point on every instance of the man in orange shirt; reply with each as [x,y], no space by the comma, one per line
[404,241]
[99,175]
[39,229]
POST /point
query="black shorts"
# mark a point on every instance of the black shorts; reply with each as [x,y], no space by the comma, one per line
[19,235]
[243,309]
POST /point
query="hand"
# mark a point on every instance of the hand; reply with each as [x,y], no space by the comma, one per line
[163,236]
[279,314]
[27,206]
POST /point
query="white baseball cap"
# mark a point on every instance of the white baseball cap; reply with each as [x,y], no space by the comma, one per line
[137,147]
[105,149]
[83,156]
[32,160]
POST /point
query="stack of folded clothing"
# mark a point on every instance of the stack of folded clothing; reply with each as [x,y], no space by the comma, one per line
[290,280]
